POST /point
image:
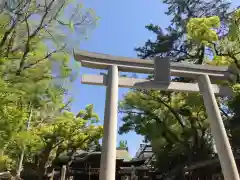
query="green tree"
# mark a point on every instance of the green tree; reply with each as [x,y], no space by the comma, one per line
[225,50]
[123,144]
[67,133]
[175,126]
[173,42]
[175,123]
[35,74]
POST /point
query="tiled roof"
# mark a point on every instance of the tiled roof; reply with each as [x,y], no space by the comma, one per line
[122,153]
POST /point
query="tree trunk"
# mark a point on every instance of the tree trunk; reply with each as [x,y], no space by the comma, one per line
[43,160]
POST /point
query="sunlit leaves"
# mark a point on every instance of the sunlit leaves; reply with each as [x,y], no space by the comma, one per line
[234,26]
[174,124]
[88,113]
[201,29]
[36,41]
[75,131]
[193,36]
[5,162]
[222,60]
[236,88]
[4,21]
[12,121]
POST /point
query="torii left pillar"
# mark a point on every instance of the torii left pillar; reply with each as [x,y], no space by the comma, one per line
[108,155]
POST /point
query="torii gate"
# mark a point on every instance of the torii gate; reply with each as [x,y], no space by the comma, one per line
[163,69]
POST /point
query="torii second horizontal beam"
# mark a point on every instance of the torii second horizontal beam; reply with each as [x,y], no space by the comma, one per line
[149,84]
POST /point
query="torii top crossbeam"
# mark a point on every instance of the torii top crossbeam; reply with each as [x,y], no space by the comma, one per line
[125,64]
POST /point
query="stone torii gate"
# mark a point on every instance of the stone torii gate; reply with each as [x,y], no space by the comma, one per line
[162,69]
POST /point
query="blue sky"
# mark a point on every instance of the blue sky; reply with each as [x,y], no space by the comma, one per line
[120,30]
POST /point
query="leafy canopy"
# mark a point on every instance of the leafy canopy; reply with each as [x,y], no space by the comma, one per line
[36,41]
[174,123]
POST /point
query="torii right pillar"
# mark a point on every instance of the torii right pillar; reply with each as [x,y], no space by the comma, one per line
[227,161]
[162,75]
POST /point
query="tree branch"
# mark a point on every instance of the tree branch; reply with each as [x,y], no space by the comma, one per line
[228,54]
[31,36]
[201,54]
[41,59]
[10,44]
[27,49]
[8,32]
[177,116]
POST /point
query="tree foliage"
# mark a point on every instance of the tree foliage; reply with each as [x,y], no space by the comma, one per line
[35,75]
[174,123]
[123,144]
[225,50]
[172,41]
